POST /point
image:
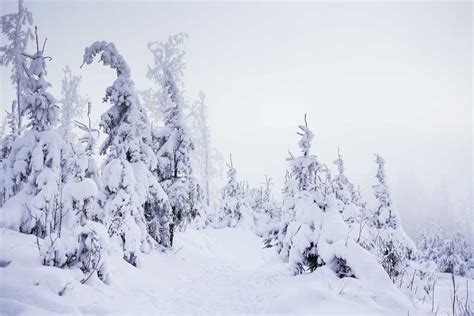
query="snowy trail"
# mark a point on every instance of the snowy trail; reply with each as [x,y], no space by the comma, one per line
[211,271]
[208,275]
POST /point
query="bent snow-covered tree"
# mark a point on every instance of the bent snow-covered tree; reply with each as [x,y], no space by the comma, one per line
[136,209]
[393,246]
[172,143]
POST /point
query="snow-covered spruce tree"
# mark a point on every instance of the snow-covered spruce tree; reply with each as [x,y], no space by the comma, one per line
[17,28]
[135,207]
[302,216]
[206,159]
[8,136]
[393,246]
[84,242]
[172,144]
[230,213]
[351,206]
[72,104]
[33,173]
[312,231]
[266,212]
[167,71]
[344,191]
[89,141]
[234,209]
[450,252]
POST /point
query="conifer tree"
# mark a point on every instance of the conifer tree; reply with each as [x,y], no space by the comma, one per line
[302,215]
[172,144]
[231,209]
[135,206]
[34,167]
[207,160]
[17,28]
[393,246]
[72,104]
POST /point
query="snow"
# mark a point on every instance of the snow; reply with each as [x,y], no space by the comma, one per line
[209,271]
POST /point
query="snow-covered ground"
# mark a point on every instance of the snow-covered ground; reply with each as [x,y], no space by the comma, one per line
[209,271]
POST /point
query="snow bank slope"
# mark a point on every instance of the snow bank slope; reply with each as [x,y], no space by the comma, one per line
[209,271]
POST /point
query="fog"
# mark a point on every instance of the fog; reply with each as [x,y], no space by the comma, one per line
[393,78]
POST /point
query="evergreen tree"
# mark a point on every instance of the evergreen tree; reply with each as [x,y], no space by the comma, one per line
[266,212]
[172,143]
[207,160]
[349,203]
[34,167]
[301,226]
[17,29]
[231,208]
[135,206]
[72,104]
[393,246]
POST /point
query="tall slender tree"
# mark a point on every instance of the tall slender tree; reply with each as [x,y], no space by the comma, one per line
[207,160]
[172,144]
[72,104]
[17,28]
[393,246]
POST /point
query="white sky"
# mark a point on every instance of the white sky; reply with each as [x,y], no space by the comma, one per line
[393,78]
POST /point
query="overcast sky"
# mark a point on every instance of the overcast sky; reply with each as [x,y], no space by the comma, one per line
[393,78]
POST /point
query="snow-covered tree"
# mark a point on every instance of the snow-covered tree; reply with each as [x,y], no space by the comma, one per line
[266,211]
[167,71]
[172,144]
[312,231]
[231,213]
[351,206]
[89,141]
[33,170]
[135,207]
[392,244]
[17,29]
[344,191]
[72,104]
[301,213]
[207,160]
[451,252]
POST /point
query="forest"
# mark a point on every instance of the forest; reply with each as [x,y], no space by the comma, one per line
[130,215]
